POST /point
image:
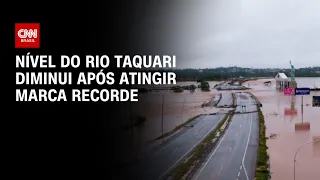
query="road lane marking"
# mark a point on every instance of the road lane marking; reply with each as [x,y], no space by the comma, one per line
[189,149]
[239,173]
[241,167]
[175,150]
[245,152]
[237,134]
[179,137]
[230,149]
[214,151]
[220,170]
[240,125]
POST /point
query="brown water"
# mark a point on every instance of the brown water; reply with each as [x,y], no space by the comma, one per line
[284,146]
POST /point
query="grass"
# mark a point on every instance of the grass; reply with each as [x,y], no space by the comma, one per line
[262,169]
[199,152]
[177,128]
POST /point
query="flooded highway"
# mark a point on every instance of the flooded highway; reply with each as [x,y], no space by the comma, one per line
[281,112]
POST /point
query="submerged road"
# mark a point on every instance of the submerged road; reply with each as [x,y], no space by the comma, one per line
[226,99]
[166,158]
[235,156]
[245,103]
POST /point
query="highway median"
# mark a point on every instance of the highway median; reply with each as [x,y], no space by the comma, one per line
[262,168]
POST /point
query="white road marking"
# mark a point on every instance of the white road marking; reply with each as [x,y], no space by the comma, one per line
[230,149]
[220,170]
[214,151]
[239,173]
[175,150]
[241,167]
[245,152]
[240,125]
[180,137]
[237,134]
[189,150]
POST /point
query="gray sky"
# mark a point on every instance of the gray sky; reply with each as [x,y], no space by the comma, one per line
[246,33]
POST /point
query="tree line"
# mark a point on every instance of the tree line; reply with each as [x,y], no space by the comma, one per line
[222,73]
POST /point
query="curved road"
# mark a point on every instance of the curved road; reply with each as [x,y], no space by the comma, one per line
[166,158]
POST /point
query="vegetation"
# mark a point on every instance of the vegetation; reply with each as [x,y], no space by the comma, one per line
[177,128]
[262,169]
[199,151]
[205,86]
[223,73]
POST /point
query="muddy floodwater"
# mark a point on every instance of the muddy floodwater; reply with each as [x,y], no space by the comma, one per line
[281,112]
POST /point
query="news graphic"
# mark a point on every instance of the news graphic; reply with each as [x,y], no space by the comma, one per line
[100,77]
[27,35]
[164,90]
[316,101]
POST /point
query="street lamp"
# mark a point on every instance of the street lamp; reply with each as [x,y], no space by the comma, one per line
[294,162]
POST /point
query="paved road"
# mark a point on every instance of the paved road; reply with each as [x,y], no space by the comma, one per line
[226,99]
[166,158]
[245,103]
[215,99]
[235,155]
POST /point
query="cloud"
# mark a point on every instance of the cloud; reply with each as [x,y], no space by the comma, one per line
[264,33]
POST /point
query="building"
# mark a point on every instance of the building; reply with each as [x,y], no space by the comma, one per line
[282,81]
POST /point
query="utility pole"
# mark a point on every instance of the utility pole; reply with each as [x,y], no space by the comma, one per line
[182,110]
[131,125]
[302,108]
[162,116]
[294,160]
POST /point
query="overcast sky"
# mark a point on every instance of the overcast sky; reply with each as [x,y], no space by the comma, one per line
[246,33]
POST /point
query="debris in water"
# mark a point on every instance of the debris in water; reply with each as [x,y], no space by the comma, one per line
[273,136]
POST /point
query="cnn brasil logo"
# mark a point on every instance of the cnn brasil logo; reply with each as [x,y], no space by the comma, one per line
[27,35]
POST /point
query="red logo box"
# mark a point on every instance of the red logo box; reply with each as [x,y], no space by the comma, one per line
[27,35]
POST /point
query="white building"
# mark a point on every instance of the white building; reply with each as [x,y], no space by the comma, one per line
[282,81]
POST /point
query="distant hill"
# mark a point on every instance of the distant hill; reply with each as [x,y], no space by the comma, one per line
[222,73]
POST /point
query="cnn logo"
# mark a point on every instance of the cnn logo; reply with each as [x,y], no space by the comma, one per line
[24,33]
[27,35]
